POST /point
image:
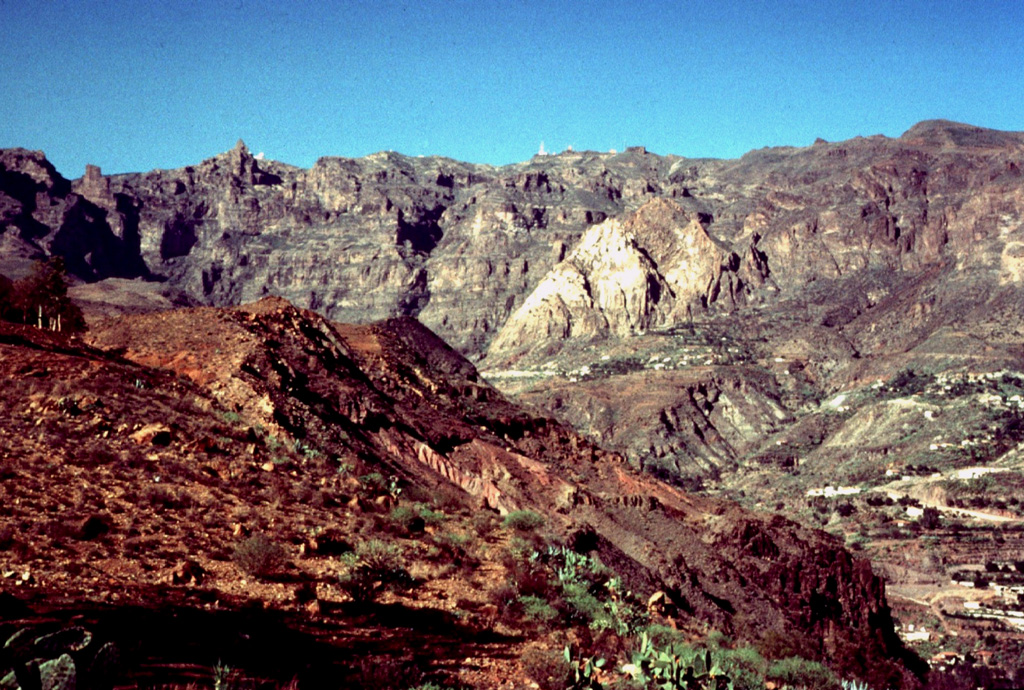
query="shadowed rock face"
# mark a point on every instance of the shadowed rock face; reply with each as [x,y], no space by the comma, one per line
[41,213]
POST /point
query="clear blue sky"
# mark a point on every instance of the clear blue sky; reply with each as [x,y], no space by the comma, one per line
[133,85]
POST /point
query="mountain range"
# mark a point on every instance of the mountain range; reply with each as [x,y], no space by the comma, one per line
[748,330]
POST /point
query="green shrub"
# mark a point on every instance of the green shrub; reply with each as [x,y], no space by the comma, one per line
[799,673]
[538,610]
[484,523]
[523,521]
[745,666]
[450,548]
[404,520]
[373,484]
[506,599]
[717,639]
[582,607]
[662,636]
[259,556]
[432,517]
[374,567]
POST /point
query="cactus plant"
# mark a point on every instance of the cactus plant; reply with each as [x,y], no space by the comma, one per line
[585,672]
[669,669]
[58,674]
[54,661]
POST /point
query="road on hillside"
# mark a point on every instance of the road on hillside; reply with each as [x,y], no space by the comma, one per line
[950,510]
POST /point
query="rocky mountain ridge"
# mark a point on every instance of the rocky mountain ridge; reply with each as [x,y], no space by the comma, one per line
[845,314]
[463,246]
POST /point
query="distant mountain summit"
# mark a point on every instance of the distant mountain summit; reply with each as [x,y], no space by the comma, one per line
[958,134]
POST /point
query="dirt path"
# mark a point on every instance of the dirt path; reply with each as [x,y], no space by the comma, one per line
[977,514]
[949,510]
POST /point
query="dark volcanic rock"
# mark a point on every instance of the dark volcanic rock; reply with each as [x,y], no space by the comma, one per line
[41,215]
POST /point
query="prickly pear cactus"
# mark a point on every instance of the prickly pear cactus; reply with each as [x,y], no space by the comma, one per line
[63,660]
[9,682]
[66,641]
[58,674]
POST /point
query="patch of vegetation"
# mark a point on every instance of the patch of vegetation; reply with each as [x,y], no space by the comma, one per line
[372,568]
[797,672]
[452,548]
[523,521]
[906,383]
[404,520]
[41,299]
[678,666]
[546,667]
[375,485]
[259,556]
[230,417]
[610,367]
[558,584]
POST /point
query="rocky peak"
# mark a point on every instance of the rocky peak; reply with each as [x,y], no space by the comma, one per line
[94,186]
[34,166]
[948,134]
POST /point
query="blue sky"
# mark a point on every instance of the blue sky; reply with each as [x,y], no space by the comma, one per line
[132,86]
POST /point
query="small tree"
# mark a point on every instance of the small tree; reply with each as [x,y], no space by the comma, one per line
[41,298]
[930,518]
[6,298]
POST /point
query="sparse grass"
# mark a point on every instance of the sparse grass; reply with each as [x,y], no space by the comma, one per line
[801,673]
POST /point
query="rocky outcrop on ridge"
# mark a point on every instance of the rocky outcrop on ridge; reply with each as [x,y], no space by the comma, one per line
[622,279]
[42,214]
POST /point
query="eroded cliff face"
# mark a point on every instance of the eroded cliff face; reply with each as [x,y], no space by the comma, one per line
[454,244]
[579,244]
[624,278]
[688,424]
[43,214]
